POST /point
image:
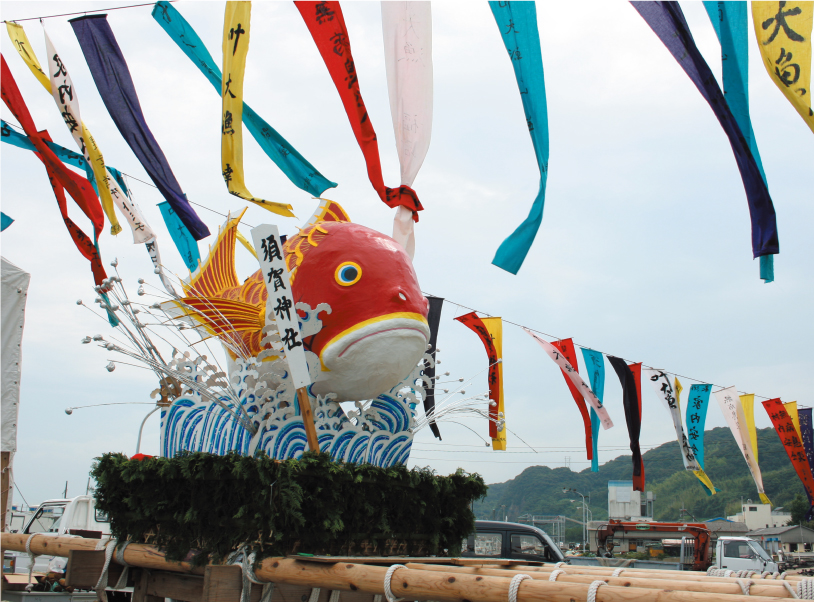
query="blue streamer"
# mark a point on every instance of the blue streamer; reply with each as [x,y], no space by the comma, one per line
[301,173]
[729,19]
[518,28]
[667,21]
[5,221]
[596,375]
[187,246]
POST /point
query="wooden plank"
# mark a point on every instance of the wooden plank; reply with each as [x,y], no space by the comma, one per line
[299,593]
[140,589]
[85,567]
[225,584]
[178,587]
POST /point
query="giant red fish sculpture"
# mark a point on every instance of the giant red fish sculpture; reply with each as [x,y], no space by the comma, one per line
[377,329]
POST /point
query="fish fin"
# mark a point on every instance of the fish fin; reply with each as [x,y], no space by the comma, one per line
[327,211]
[219,316]
[218,271]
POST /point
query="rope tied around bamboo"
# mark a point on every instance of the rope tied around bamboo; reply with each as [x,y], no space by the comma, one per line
[418,583]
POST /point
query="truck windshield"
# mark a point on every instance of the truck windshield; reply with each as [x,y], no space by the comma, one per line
[758,549]
[46,520]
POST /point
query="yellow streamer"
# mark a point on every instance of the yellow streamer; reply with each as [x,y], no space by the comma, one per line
[23,47]
[748,404]
[495,328]
[702,476]
[235,49]
[94,155]
[783,31]
[791,410]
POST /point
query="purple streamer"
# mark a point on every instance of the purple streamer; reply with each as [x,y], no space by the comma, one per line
[667,21]
[115,85]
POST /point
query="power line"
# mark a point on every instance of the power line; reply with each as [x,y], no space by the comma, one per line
[551,336]
[485,461]
[85,12]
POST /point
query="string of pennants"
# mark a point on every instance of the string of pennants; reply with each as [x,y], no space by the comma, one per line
[783,31]
[793,424]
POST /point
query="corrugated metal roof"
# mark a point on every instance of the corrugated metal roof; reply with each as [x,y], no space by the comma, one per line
[717,526]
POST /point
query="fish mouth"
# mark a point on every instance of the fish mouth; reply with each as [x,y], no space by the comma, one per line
[373,356]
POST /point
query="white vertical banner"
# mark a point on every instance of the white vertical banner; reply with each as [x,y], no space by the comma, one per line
[67,100]
[587,394]
[407,32]
[730,403]
[664,391]
[280,303]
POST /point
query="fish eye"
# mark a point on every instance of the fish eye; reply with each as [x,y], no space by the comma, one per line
[348,273]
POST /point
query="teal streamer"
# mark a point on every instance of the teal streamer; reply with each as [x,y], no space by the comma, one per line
[596,375]
[5,221]
[187,246]
[517,22]
[301,173]
[696,417]
[730,21]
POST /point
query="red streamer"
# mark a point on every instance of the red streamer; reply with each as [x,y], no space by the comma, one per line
[566,347]
[61,177]
[474,323]
[327,26]
[784,426]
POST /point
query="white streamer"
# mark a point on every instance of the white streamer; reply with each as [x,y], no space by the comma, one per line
[407,30]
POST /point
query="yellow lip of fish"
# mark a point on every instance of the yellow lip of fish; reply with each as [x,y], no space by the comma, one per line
[356,327]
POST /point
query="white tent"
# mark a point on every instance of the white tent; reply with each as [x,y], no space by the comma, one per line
[13,294]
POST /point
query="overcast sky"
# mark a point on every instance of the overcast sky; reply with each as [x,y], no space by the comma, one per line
[644,251]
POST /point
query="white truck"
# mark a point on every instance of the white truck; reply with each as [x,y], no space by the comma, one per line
[743,553]
[77,516]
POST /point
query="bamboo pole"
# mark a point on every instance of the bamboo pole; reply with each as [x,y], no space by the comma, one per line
[600,571]
[414,584]
[759,588]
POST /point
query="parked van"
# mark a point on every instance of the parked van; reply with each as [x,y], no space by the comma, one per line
[497,539]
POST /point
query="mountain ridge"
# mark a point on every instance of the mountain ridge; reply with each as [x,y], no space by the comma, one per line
[538,489]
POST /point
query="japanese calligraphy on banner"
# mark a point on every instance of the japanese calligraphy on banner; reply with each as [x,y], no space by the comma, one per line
[280,303]
[517,22]
[807,435]
[791,443]
[299,171]
[697,404]
[732,410]
[664,391]
[791,409]
[236,29]
[572,375]
[67,101]
[326,24]
[783,32]
[407,34]
[497,424]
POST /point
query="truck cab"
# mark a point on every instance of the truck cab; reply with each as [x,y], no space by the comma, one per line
[77,516]
[742,553]
[496,539]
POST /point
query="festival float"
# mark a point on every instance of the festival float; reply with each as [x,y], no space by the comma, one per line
[267,487]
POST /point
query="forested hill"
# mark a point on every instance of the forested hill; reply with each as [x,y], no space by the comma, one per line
[538,489]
